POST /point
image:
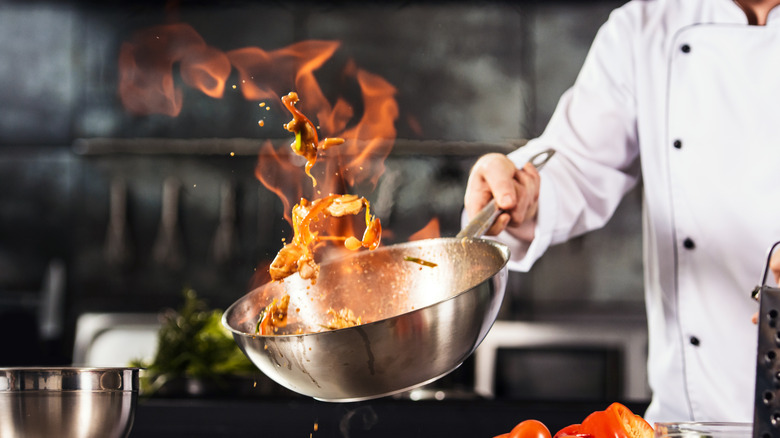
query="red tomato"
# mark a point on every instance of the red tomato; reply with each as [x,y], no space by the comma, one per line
[503,435]
[530,429]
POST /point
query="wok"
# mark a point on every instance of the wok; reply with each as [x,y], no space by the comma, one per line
[420,322]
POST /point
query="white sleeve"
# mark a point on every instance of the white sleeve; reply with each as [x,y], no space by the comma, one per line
[593,131]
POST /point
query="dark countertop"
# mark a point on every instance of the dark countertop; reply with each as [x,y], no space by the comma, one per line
[388,417]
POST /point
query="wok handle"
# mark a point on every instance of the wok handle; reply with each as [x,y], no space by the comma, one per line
[483,220]
[480,223]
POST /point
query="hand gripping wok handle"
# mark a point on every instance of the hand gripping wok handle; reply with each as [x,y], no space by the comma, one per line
[483,220]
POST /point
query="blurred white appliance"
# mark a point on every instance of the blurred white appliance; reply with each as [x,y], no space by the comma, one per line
[569,360]
[115,339]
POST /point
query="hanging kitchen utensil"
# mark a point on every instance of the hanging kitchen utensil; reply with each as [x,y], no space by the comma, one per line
[425,318]
[766,409]
[167,250]
[118,249]
[225,240]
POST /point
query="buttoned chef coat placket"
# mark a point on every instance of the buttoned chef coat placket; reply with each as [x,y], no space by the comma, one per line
[695,92]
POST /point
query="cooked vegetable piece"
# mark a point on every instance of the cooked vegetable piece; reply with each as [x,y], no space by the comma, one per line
[274,316]
[342,319]
[373,234]
[306,142]
[298,256]
[344,205]
[352,243]
[420,261]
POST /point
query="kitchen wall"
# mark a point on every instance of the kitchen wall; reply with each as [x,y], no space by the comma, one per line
[471,77]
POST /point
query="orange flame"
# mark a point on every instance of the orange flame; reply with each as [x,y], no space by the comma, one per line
[279,175]
[376,129]
[260,276]
[206,69]
[146,82]
[147,86]
[367,143]
[268,75]
[429,231]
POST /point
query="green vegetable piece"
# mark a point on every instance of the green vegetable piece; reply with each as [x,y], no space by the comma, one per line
[298,145]
[259,321]
[420,261]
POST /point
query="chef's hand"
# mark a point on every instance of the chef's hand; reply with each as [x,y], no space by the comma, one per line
[516,191]
[774,266]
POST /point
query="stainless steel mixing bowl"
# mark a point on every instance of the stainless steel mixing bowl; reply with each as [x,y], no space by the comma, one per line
[423,322]
[73,402]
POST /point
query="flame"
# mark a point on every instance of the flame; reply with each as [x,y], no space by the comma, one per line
[372,139]
[279,175]
[268,75]
[429,231]
[341,168]
[147,86]
[260,276]
[146,64]
[206,69]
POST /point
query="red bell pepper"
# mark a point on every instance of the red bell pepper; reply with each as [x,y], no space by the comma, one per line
[617,421]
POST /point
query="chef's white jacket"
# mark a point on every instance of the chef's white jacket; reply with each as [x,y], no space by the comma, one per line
[686,94]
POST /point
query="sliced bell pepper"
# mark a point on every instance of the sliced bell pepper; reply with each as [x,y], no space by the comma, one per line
[617,421]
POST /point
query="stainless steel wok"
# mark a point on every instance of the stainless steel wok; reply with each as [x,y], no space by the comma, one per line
[427,321]
[422,322]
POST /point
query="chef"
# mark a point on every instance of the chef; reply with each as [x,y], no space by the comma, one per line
[686,95]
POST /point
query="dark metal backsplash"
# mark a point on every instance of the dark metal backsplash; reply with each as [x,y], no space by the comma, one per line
[459,69]
[225,224]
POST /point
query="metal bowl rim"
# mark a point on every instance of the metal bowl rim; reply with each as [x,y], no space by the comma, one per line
[496,244]
[11,376]
[54,369]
